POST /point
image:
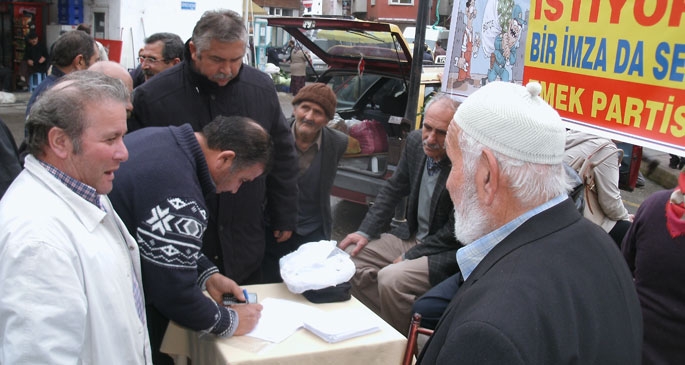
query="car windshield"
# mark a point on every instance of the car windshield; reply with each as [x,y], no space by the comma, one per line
[351,44]
[349,88]
[355,43]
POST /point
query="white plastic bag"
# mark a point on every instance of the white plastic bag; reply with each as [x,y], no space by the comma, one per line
[316,265]
[270,68]
[352,122]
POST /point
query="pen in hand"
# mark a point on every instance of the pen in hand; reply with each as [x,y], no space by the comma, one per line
[247,300]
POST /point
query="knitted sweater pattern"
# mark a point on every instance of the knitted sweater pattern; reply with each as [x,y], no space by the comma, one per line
[159,194]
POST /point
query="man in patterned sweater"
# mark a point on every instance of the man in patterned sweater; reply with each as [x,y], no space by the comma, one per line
[160,195]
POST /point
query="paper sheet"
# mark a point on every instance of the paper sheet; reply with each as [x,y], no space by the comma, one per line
[280,319]
[341,325]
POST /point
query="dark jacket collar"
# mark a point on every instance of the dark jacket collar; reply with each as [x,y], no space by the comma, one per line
[185,136]
[57,72]
[542,224]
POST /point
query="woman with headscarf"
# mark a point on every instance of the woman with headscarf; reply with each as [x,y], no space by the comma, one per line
[654,248]
[299,59]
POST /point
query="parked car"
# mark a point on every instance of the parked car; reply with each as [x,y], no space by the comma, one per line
[368,68]
[433,34]
[630,166]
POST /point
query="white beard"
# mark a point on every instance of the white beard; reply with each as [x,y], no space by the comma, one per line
[470,221]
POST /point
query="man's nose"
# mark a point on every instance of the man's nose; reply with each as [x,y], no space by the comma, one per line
[234,67]
[432,137]
[121,153]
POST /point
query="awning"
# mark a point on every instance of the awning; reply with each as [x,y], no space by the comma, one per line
[254,9]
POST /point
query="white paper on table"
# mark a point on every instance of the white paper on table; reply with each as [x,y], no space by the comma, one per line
[341,325]
[280,319]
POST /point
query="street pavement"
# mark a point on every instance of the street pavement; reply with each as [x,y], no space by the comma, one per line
[286,100]
[13,115]
[654,166]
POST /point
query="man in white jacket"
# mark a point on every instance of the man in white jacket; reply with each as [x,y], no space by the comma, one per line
[71,287]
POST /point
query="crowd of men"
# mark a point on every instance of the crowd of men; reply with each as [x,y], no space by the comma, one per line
[140,191]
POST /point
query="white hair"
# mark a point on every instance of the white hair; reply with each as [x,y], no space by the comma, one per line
[533,184]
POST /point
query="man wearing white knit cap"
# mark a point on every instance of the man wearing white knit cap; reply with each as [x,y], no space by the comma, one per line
[539,284]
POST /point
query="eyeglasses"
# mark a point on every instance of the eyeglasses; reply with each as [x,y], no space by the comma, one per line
[150,60]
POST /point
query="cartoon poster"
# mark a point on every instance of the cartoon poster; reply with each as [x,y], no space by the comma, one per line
[612,68]
[487,43]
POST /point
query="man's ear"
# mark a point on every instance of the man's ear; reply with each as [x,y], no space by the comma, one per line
[59,143]
[78,62]
[193,50]
[224,160]
[488,175]
[175,61]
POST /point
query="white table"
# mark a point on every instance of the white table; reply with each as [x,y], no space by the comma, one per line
[383,347]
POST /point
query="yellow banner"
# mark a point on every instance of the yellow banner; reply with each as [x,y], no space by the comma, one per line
[616,66]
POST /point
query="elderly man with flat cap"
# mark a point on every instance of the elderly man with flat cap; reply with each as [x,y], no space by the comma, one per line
[319,149]
[539,284]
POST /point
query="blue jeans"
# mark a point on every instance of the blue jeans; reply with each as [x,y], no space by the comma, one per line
[432,305]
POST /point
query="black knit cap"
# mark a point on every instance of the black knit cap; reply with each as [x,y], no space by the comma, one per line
[320,94]
[331,294]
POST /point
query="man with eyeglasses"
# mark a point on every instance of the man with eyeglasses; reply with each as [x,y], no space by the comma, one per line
[212,81]
[161,51]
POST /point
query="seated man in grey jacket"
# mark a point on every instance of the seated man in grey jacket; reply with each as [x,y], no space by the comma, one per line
[397,268]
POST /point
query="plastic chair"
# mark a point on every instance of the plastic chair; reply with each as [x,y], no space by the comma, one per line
[35,79]
[414,330]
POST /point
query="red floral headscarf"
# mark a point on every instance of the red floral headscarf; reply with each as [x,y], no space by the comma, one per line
[675,209]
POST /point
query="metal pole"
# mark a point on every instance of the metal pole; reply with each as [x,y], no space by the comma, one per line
[417,61]
[413,92]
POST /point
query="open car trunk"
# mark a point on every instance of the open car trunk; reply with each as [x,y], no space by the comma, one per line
[368,69]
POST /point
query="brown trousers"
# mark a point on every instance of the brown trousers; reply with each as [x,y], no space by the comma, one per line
[386,288]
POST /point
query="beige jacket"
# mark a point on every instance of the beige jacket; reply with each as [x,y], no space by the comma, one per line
[298,62]
[606,174]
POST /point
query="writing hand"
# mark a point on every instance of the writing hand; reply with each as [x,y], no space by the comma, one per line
[248,317]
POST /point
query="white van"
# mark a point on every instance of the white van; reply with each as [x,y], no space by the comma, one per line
[433,33]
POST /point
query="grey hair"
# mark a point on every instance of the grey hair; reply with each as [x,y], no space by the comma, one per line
[63,106]
[533,184]
[441,97]
[221,25]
